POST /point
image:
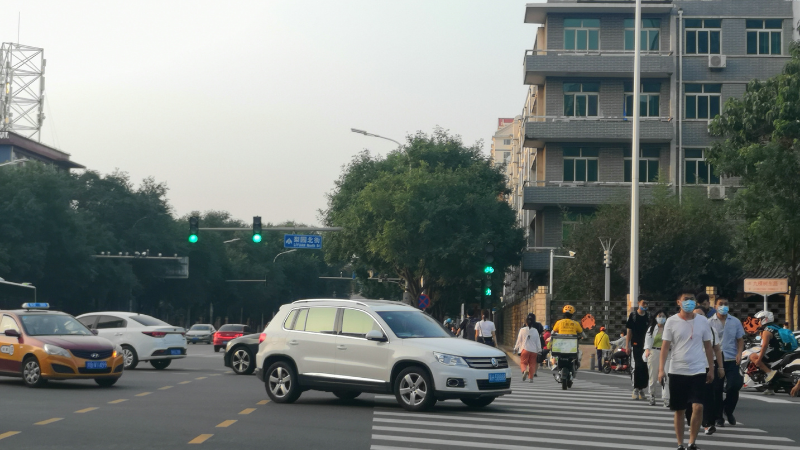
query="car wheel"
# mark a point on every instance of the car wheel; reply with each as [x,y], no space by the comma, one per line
[129,357]
[106,382]
[347,395]
[477,402]
[216,349]
[242,361]
[160,364]
[32,372]
[281,383]
[414,390]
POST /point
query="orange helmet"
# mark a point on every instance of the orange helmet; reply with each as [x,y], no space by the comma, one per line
[569,309]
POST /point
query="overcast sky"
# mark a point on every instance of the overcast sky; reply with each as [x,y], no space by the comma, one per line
[246,106]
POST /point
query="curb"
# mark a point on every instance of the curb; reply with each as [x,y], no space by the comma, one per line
[509,353]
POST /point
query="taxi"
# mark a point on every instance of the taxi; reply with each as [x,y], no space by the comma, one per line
[40,345]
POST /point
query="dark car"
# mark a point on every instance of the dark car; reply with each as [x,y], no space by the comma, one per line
[229,332]
[241,352]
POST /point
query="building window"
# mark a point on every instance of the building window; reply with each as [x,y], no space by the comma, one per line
[506,157]
[569,222]
[580,164]
[764,36]
[702,100]
[506,141]
[648,99]
[582,34]
[651,31]
[581,99]
[696,169]
[648,165]
[703,36]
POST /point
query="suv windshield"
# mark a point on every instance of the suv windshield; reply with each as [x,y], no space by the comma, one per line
[53,325]
[200,328]
[412,324]
[148,321]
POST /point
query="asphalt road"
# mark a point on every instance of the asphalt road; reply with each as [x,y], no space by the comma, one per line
[198,400]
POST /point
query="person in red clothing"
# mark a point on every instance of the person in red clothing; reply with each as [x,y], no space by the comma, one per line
[529,345]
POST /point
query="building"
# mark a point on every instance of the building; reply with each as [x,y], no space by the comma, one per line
[14,147]
[501,141]
[571,149]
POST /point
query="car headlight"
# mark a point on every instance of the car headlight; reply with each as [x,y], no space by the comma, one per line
[117,351]
[56,350]
[449,360]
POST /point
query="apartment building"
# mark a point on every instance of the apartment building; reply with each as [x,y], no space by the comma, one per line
[572,146]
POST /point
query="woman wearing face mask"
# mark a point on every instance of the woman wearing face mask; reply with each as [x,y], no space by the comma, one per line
[652,354]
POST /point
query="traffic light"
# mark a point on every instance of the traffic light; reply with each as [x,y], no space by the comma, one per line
[256,229]
[487,286]
[488,259]
[607,257]
[194,228]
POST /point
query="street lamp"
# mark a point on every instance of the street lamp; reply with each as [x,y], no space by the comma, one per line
[356,130]
[279,254]
[637,80]
[16,161]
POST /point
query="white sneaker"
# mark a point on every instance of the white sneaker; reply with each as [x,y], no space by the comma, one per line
[771,375]
[524,375]
[769,392]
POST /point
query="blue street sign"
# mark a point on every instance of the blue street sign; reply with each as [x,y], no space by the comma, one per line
[424,301]
[302,241]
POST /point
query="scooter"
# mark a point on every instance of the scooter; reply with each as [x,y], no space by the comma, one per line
[566,359]
[788,372]
[617,362]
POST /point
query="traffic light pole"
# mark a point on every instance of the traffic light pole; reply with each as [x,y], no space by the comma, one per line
[608,247]
[276,229]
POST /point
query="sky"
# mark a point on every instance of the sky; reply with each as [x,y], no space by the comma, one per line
[247,106]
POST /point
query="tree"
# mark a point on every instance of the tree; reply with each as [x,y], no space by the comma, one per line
[426,211]
[761,145]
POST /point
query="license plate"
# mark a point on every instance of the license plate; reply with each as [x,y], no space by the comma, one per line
[175,351]
[96,365]
[194,338]
[497,377]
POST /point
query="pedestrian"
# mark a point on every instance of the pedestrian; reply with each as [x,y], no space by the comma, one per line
[638,321]
[704,303]
[731,335]
[603,346]
[485,329]
[618,351]
[546,345]
[709,403]
[688,336]
[786,325]
[652,354]
[529,345]
[539,329]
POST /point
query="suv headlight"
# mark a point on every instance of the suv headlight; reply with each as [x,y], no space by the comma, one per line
[56,350]
[450,360]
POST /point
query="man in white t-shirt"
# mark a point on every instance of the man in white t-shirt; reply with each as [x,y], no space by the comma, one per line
[485,329]
[687,340]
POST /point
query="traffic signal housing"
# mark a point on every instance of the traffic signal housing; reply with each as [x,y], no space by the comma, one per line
[488,258]
[256,229]
[194,229]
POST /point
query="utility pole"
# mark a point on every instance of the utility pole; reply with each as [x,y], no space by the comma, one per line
[608,247]
[637,85]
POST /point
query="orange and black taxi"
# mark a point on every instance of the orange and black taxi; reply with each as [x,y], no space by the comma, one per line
[40,345]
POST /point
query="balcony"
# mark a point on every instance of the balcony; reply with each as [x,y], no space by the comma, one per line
[541,129]
[557,193]
[540,64]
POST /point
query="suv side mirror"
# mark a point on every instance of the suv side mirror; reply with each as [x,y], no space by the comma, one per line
[375,335]
[12,333]
[94,331]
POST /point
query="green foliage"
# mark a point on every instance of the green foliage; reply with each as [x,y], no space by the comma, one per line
[427,210]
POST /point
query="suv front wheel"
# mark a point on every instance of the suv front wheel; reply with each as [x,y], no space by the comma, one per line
[281,383]
[414,390]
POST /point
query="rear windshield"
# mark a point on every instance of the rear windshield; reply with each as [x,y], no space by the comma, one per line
[232,328]
[200,328]
[148,321]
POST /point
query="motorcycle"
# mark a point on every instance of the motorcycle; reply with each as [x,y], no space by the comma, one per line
[566,359]
[788,372]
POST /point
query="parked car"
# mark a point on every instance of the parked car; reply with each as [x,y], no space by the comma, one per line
[240,353]
[201,332]
[227,333]
[348,347]
[142,337]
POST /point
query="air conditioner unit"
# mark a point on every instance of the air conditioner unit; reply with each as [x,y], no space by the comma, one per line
[717,61]
[716,192]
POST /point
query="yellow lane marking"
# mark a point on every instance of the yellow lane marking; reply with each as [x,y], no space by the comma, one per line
[143,394]
[184,382]
[165,388]
[200,439]
[8,434]
[118,401]
[45,422]
[262,402]
[247,411]
[226,424]
[81,411]
[201,378]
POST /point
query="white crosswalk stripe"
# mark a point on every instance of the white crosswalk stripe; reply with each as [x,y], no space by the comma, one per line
[540,415]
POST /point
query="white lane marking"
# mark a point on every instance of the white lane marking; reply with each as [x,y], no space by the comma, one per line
[495,443]
[764,398]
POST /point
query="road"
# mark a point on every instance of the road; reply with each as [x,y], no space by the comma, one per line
[197,400]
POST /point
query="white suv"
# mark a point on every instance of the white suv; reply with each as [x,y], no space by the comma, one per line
[348,347]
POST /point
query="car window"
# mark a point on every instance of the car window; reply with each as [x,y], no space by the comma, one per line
[357,323]
[88,321]
[148,321]
[200,328]
[231,328]
[53,325]
[7,323]
[300,323]
[290,319]
[413,324]
[321,320]
[111,322]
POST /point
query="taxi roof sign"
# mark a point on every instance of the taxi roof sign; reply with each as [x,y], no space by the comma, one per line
[36,305]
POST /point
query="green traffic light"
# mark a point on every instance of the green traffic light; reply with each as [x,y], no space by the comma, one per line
[192,238]
[488,269]
[487,291]
[256,238]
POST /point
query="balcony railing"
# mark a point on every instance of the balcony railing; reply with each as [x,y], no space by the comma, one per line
[611,53]
[540,64]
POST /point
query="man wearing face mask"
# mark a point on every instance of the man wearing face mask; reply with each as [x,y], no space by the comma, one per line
[704,303]
[687,339]
[731,335]
[638,322]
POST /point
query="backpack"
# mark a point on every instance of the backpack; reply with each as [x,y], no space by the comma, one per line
[788,341]
[471,326]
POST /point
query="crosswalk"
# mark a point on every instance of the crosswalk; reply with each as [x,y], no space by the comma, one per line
[540,415]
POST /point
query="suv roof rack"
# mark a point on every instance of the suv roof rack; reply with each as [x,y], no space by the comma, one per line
[330,300]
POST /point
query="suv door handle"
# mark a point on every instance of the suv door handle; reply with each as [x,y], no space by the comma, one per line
[117,334]
[293,342]
[341,347]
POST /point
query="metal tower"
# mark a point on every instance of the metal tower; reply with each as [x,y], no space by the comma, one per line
[22,95]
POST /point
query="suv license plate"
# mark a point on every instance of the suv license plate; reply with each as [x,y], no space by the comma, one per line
[497,377]
[175,351]
[96,365]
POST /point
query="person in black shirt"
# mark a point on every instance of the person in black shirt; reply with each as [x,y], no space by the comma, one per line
[638,322]
[467,326]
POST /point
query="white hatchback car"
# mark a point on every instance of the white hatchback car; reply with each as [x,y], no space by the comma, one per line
[348,347]
[142,337]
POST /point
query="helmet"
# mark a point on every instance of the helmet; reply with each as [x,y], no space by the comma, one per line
[765,317]
[602,328]
[546,327]
[569,309]
[448,321]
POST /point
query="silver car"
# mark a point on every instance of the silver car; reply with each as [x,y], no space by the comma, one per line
[201,332]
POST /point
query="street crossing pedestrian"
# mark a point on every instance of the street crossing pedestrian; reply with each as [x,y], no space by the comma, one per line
[467,326]
[652,353]
[485,329]
[731,335]
[637,324]
[529,346]
[603,347]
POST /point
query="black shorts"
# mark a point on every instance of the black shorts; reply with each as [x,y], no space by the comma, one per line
[773,355]
[685,390]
